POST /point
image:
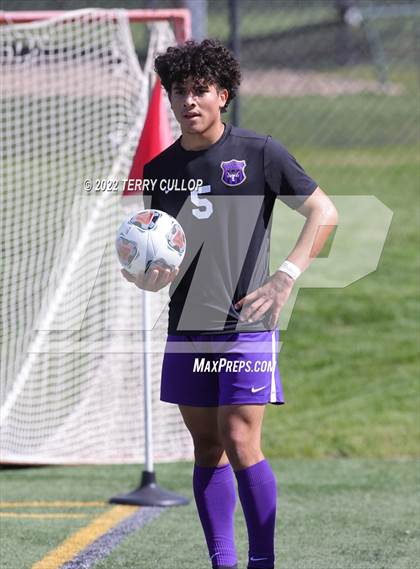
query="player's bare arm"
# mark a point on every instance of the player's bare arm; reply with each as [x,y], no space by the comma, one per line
[154,279]
[321,218]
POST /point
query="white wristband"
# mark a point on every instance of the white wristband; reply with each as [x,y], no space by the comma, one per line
[291,269]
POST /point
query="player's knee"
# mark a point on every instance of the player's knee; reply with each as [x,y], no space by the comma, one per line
[207,451]
[235,439]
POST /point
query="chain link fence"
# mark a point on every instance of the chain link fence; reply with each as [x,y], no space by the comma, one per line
[324,74]
[336,81]
[318,76]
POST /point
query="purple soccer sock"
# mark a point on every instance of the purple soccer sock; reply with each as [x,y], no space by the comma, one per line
[215,497]
[258,494]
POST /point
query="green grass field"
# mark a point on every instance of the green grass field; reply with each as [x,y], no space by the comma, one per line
[353,391]
[350,356]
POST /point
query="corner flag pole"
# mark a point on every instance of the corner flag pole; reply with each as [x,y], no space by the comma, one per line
[155,137]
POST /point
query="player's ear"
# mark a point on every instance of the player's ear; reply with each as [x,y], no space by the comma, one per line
[223,97]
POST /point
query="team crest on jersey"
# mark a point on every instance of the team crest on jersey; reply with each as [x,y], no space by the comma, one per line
[176,239]
[145,220]
[233,172]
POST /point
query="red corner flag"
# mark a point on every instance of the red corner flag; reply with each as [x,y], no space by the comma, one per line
[155,137]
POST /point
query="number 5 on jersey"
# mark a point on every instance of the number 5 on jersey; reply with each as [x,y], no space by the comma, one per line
[204,207]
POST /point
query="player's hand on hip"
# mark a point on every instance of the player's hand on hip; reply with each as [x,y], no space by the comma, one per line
[154,279]
[267,300]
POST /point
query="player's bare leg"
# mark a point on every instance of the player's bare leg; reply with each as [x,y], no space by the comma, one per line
[202,422]
[213,484]
[240,432]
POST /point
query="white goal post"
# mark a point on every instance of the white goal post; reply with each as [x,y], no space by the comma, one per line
[74,99]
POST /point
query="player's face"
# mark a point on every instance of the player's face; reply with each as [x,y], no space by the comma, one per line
[197,106]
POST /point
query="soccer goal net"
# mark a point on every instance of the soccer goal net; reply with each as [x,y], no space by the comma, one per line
[74,99]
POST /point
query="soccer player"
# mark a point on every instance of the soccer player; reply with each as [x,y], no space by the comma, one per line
[220,363]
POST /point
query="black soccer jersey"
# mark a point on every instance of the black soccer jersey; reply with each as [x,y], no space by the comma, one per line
[223,197]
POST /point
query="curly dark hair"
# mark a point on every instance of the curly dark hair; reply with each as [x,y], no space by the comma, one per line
[206,63]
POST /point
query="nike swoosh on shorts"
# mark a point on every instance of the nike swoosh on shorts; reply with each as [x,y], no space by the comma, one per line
[256,389]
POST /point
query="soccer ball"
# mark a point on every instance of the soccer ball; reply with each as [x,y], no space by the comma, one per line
[150,237]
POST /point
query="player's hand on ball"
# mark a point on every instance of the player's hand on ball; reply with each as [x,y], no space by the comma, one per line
[154,279]
[267,300]
[158,277]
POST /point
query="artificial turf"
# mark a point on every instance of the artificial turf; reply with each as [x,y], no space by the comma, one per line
[332,514]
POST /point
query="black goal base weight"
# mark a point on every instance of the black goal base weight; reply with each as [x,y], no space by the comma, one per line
[149,494]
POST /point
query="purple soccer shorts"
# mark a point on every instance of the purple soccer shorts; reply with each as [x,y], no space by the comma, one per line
[208,370]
